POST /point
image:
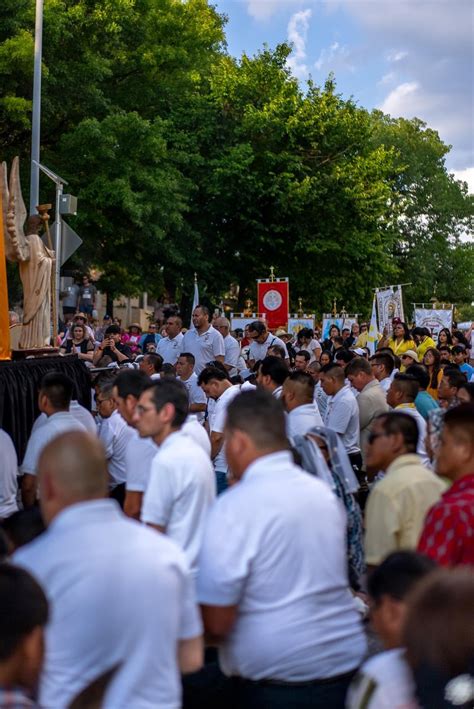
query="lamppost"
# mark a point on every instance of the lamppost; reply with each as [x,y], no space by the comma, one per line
[36,115]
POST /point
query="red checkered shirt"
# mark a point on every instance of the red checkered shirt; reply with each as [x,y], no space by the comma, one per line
[448,534]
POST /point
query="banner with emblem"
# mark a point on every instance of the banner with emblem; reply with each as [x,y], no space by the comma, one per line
[389,305]
[435,319]
[273,300]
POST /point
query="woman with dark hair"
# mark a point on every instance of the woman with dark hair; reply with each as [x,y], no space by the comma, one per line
[432,362]
[401,341]
[444,338]
[325,358]
[79,344]
[305,340]
[328,344]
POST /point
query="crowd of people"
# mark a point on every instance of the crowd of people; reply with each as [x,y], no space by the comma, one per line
[244,520]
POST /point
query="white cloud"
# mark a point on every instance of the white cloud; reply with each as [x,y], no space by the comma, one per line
[265,9]
[396,56]
[297,34]
[336,57]
[387,79]
[400,99]
[466,175]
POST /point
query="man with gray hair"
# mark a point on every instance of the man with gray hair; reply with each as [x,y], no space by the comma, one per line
[114,587]
[232,347]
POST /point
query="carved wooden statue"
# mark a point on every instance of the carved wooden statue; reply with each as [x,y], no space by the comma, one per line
[34,259]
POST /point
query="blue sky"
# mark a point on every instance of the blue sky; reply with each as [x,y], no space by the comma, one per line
[407,57]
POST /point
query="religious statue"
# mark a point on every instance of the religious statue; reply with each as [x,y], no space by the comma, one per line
[34,259]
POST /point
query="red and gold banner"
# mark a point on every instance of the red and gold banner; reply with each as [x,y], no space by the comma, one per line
[273,301]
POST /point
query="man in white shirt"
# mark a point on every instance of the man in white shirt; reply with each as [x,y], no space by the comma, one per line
[298,399]
[151,364]
[203,340]
[79,412]
[385,681]
[281,609]
[169,347]
[342,413]
[139,454]
[216,385]
[114,587]
[54,399]
[232,347]
[261,340]
[401,397]
[382,367]
[115,435]
[272,374]
[182,485]
[371,399]
[186,374]
[8,477]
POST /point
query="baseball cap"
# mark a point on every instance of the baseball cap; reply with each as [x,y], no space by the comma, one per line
[410,353]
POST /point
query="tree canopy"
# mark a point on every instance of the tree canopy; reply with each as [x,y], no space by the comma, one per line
[186,159]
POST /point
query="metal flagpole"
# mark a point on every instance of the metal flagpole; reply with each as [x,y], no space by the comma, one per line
[36,117]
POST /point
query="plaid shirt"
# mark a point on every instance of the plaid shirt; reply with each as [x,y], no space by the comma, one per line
[448,535]
[15,698]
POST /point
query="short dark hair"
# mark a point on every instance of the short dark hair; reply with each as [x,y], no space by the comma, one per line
[58,388]
[304,382]
[460,420]
[305,332]
[385,360]
[113,330]
[275,368]
[23,526]
[469,387]
[155,359]
[210,373]
[359,364]
[168,371]
[334,370]
[189,357]
[397,575]
[344,356]
[257,326]
[407,384]
[397,422]
[305,354]
[131,382]
[282,351]
[339,340]
[24,608]
[443,348]
[261,417]
[459,349]
[171,391]
[204,309]
[454,376]
[420,374]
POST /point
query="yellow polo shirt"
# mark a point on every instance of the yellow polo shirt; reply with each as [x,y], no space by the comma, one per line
[426,344]
[397,507]
[402,347]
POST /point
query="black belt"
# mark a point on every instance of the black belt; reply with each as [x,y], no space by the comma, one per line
[305,683]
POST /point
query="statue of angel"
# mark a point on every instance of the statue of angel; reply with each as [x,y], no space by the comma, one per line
[34,259]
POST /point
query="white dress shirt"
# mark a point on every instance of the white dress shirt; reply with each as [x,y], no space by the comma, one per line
[232,354]
[421,423]
[195,393]
[205,347]
[54,426]
[217,422]
[192,427]
[277,392]
[342,415]
[139,454]
[259,350]
[120,594]
[170,349]
[296,619]
[181,490]
[301,419]
[8,477]
[384,681]
[385,383]
[79,412]
[115,435]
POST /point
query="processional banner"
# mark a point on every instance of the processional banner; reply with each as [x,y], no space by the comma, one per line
[273,300]
[389,306]
[435,319]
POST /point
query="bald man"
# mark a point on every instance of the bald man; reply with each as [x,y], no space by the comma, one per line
[114,587]
[298,399]
[232,347]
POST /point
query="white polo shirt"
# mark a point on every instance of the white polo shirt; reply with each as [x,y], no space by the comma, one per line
[54,426]
[8,477]
[115,435]
[139,454]
[181,490]
[205,347]
[342,415]
[275,546]
[259,350]
[384,681]
[195,393]
[232,354]
[385,383]
[301,419]
[410,409]
[169,349]
[120,594]
[193,428]
[217,422]
[79,412]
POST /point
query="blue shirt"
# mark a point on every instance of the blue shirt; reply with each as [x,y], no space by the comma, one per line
[425,403]
[467,369]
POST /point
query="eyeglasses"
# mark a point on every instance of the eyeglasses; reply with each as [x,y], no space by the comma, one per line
[152,327]
[373,437]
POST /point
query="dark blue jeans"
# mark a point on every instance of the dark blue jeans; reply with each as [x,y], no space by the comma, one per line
[221,481]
